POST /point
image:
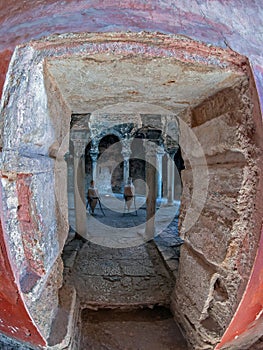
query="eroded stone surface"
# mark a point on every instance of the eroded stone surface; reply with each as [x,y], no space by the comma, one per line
[112,277]
[139,329]
[164,83]
[216,242]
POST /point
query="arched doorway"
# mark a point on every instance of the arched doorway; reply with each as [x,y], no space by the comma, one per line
[220,131]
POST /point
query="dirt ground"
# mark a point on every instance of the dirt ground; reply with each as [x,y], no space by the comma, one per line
[143,329]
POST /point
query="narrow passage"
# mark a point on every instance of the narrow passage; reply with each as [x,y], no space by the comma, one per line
[124,295]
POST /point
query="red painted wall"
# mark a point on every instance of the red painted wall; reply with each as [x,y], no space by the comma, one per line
[5,57]
[15,320]
[248,318]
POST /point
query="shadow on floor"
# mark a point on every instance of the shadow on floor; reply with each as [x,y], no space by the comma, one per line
[131,330]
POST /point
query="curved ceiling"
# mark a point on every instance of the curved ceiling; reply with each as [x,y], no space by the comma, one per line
[102,81]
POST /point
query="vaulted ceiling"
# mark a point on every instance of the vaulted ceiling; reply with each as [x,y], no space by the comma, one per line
[117,84]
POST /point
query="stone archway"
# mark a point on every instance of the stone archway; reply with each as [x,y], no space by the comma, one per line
[35,141]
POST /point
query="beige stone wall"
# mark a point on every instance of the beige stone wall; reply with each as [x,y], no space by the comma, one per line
[60,116]
[221,244]
[43,312]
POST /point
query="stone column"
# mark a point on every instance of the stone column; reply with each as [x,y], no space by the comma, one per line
[70,179]
[170,177]
[160,154]
[94,152]
[150,157]
[126,153]
[79,185]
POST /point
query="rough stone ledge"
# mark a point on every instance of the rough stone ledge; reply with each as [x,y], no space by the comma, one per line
[31,163]
[197,342]
[169,253]
[178,44]
[64,325]
[122,306]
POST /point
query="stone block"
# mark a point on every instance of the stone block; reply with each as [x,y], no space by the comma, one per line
[222,304]
[222,102]
[44,308]
[204,299]
[210,239]
[193,284]
[219,135]
[64,326]
[212,230]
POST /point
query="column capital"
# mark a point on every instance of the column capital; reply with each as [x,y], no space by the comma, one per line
[94,152]
[171,151]
[160,151]
[170,145]
[79,147]
[95,145]
[94,157]
[79,135]
[80,139]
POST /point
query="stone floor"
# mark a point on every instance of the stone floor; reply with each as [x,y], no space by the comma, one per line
[115,260]
[118,265]
[120,277]
[115,266]
[122,229]
[134,330]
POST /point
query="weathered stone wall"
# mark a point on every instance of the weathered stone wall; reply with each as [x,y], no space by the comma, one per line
[60,116]
[33,163]
[43,312]
[43,308]
[219,248]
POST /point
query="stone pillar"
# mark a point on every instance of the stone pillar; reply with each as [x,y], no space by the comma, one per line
[70,179]
[94,152]
[126,153]
[150,157]
[79,184]
[177,185]
[170,177]
[160,154]
[126,169]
